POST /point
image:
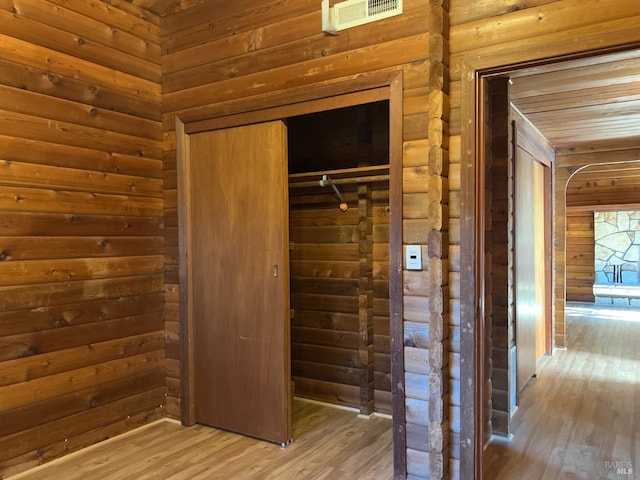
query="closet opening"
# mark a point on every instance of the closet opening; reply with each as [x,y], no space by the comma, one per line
[338,162]
[260,207]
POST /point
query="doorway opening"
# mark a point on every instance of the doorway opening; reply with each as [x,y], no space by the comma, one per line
[600,144]
[339,234]
[517,257]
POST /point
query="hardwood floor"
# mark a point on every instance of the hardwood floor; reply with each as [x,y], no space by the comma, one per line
[329,444]
[580,418]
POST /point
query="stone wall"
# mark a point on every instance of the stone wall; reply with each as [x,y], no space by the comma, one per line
[617,252]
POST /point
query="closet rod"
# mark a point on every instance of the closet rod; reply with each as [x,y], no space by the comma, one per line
[341,172]
[340,181]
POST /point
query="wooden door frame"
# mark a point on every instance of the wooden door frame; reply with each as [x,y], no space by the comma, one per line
[475,72]
[549,257]
[360,89]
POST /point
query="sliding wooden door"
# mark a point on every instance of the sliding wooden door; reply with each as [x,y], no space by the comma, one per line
[238,250]
[530,279]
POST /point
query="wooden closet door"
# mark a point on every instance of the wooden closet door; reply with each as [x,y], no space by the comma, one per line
[240,280]
[529,252]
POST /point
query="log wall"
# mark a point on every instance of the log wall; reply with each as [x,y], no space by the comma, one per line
[89,182]
[214,58]
[325,290]
[499,331]
[81,237]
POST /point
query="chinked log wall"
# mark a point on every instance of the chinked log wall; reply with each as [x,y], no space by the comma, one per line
[81,238]
[215,56]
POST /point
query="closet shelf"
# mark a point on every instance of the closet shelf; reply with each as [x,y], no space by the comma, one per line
[374,173]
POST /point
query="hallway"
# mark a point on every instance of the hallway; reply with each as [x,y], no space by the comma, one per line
[580,419]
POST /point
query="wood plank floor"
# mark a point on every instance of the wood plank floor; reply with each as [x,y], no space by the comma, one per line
[330,443]
[581,416]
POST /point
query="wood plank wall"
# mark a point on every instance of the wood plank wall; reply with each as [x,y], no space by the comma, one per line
[611,178]
[488,34]
[213,57]
[580,256]
[81,237]
[325,265]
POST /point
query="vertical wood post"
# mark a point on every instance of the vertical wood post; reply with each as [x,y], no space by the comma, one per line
[438,245]
[365,298]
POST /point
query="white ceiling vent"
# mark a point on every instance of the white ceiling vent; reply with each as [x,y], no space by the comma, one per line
[352,13]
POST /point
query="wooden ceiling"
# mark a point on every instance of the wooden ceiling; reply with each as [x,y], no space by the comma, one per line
[164,8]
[592,100]
[587,105]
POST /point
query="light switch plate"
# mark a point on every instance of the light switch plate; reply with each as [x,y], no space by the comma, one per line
[413,257]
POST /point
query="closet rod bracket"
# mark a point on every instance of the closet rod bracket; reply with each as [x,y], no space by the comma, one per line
[326,180]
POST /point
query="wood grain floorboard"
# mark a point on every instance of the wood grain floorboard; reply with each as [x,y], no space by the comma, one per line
[580,418]
[329,443]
